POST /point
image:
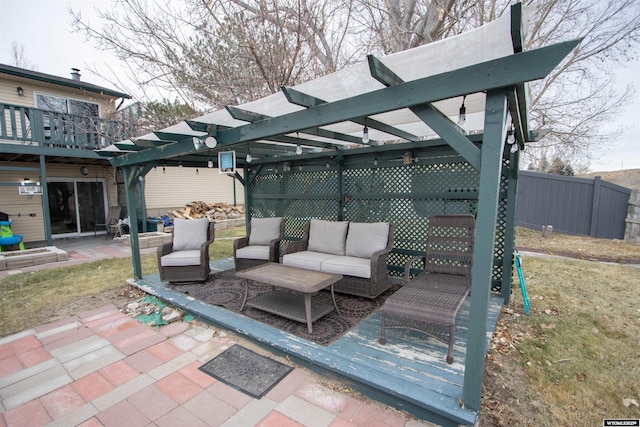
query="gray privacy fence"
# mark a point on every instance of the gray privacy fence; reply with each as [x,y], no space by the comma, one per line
[584,206]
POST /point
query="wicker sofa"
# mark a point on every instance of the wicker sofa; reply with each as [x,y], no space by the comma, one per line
[358,251]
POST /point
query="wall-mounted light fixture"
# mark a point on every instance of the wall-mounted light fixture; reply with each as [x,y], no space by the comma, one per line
[197,143]
[84,170]
[20,91]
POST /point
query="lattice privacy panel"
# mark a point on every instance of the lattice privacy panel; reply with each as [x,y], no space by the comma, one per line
[405,195]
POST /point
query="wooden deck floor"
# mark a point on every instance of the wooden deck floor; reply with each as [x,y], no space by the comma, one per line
[409,372]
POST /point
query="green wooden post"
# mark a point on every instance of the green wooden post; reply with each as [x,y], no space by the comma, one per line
[510,227]
[129,185]
[45,201]
[489,191]
[247,198]
[143,203]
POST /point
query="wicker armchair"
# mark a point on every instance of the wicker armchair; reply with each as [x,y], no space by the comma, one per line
[430,302]
[261,245]
[186,258]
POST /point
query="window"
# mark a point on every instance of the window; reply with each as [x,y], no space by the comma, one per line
[60,104]
[70,123]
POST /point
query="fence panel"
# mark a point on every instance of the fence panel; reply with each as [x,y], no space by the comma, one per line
[572,205]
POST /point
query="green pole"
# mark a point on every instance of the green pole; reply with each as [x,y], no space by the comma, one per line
[45,201]
[510,227]
[129,185]
[488,197]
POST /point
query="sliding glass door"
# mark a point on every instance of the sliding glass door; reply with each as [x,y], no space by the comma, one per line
[76,206]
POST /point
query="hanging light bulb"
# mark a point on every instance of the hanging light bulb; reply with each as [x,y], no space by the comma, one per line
[180,166]
[248,158]
[155,169]
[210,164]
[298,149]
[197,171]
[365,135]
[462,116]
[375,160]
[164,170]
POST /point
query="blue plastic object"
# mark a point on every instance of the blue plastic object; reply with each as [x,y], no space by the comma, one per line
[523,286]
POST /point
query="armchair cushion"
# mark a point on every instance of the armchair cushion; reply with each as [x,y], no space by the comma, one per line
[181,258]
[366,238]
[253,252]
[327,236]
[189,234]
[264,230]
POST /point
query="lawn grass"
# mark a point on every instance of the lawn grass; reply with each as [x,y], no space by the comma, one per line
[27,298]
[579,348]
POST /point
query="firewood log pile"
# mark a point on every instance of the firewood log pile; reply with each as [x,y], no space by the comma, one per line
[213,211]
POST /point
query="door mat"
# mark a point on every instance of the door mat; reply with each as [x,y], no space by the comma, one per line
[246,370]
[226,290]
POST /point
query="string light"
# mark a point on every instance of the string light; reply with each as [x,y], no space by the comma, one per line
[365,135]
[462,116]
[298,149]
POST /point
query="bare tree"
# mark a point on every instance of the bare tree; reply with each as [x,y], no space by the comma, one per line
[218,52]
[19,58]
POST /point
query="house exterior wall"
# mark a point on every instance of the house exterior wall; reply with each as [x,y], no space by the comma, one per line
[173,189]
[26,212]
[9,94]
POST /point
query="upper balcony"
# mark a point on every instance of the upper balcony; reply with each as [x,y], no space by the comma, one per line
[28,126]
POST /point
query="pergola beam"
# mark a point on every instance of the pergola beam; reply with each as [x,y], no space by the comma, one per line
[431,116]
[250,116]
[308,101]
[501,72]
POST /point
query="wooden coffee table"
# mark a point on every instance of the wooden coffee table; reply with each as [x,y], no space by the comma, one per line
[306,283]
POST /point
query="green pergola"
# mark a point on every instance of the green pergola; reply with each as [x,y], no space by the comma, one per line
[310,159]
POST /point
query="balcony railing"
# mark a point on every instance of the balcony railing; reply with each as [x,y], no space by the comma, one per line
[33,126]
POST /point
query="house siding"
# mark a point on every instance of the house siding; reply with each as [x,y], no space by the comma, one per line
[173,189]
[9,94]
[21,207]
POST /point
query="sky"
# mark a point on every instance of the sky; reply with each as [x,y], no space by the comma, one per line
[50,44]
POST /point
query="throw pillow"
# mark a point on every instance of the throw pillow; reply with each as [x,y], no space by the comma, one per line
[364,239]
[264,230]
[327,236]
[189,234]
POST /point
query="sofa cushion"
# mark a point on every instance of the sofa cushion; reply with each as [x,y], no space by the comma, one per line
[253,252]
[364,239]
[264,230]
[181,258]
[327,236]
[306,259]
[348,266]
[189,234]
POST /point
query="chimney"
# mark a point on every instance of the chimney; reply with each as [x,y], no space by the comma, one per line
[75,73]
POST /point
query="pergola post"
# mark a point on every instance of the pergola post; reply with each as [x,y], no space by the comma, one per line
[45,200]
[510,228]
[130,183]
[489,192]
